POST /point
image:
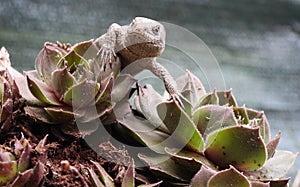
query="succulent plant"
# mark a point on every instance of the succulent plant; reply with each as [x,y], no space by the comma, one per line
[103,179]
[210,142]
[16,166]
[9,93]
[67,82]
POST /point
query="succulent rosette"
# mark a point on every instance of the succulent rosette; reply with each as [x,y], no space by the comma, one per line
[9,93]
[15,163]
[68,82]
[211,141]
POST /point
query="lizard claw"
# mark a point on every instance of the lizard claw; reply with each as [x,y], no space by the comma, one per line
[177,98]
[107,55]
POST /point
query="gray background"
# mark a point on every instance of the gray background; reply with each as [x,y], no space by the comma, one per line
[257,43]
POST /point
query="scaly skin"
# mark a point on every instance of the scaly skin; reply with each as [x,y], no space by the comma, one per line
[136,46]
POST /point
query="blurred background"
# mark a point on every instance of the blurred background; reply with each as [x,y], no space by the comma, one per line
[256,43]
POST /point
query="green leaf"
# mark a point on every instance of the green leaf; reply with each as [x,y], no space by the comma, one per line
[146,102]
[192,157]
[228,178]
[181,127]
[218,98]
[213,117]
[104,176]
[94,178]
[105,91]
[122,87]
[62,80]
[191,87]
[72,60]
[39,114]
[276,167]
[165,167]
[81,95]
[240,146]
[86,49]
[61,114]
[8,171]
[40,90]
[254,118]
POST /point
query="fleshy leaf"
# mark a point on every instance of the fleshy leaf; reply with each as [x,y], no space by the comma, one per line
[61,114]
[276,167]
[193,157]
[22,178]
[167,168]
[8,171]
[24,159]
[153,139]
[39,114]
[94,178]
[228,178]
[104,176]
[147,101]
[259,184]
[72,60]
[272,145]
[81,94]
[212,117]
[218,98]
[180,126]
[202,177]
[129,177]
[86,49]
[122,87]
[104,93]
[40,90]
[62,80]
[47,60]
[240,146]
[191,87]
[37,175]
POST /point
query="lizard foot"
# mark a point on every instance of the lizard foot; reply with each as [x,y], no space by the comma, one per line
[177,98]
[107,56]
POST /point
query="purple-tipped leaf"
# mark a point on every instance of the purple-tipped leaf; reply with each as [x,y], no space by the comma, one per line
[209,118]
[129,177]
[202,177]
[228,178]
[22,178]
[40,89]
[36,176]
[24,159]
[62,80]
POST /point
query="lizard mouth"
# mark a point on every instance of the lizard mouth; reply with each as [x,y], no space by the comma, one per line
[146,49]
[144,37]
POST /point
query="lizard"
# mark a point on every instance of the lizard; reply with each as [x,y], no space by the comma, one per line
[137,46]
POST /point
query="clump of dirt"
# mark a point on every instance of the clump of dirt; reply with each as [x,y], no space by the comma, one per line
[68,158]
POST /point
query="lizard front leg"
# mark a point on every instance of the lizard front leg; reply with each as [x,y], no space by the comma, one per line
[106,45]
[170,84]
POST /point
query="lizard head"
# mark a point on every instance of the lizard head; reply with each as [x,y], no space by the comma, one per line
[145,38]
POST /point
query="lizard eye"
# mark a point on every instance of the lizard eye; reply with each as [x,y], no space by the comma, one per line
[156,29]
